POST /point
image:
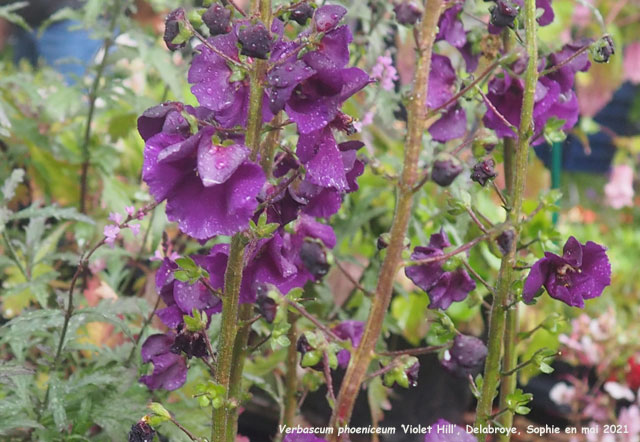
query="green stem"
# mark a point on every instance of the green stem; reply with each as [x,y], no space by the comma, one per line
[417,124]
[93,96]
[228,331]
[505,278]
[233,335]
[240,353]
[291,378]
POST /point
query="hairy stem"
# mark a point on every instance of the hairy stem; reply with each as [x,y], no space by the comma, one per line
[417,124]
[291,377]
[228,332]
[505,278]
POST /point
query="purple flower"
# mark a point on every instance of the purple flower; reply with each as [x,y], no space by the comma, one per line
[328,16]
[442,85]
[255,40]
[353,331]
[582,272]
[442,287]
[450,28]
[141,432]
[316,100]
[211,78]
[172,27]
[554,96]
[169,369]
[301,13]
[180,297]
[210,189]
[465,357]
[407,12]
[218,19]
[441,432]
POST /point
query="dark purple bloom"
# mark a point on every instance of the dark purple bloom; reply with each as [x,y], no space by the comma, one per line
[141,432]
[353,331]
[169,369]
[192,344]
[442,86]
[440,432]
[218,19]
[412,374]
[445,169]
[180,297]
[582,272]
[267,306]
[316,100]
[483,171]
[166,118]
[302,13]
[442,287]
[255,40]
[210,190]
[211,78]
[172,27]
[303,347]
[407,12]
[327,17]
[547,15]
[505,241]
[450,28]
[314,259]
[503,13]
[466,356]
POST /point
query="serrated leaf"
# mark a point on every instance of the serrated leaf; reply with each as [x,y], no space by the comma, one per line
[11,183]
[56,403]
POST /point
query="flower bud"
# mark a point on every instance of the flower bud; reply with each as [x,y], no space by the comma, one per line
[218,19]
[503,13]
[310,357]
[192,344]
[505,241]
[445,169]
[141,432]
[407,13]
[314,259]
[603,49]
[255,41]
[465,357]
[327,17]
[483,172]
[302,13]
[412,374]
[267,306]
[173,28]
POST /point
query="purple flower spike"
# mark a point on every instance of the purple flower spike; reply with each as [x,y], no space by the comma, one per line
[327,17]
[443,287]
[353,331]
[582,272]
[442,85]
[169,369]
[466,356]
[441,431]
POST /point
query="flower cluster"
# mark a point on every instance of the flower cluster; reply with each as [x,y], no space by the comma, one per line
[196,159]
[443,287]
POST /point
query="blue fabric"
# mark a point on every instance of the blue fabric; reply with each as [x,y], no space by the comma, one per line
[63,45]
[615,116]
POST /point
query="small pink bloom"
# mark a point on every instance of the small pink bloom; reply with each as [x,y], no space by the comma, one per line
[135,229]
[385,72]
[130,210]
[631,62]
[619,189]
[630,417]
[157,256]
[115,217]
[111,232]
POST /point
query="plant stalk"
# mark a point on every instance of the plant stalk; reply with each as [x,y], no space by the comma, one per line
[498,321]
[417,124]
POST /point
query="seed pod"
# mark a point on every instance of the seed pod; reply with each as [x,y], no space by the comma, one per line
[483,172]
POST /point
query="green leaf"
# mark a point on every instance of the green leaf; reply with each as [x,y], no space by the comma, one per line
[11,183]
[159,410]
[69,213]
[56,403]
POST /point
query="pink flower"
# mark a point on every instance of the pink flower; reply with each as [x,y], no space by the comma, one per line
[111,232]
[630,418]
[631,62]
[619,189]
[135,229]
[115,217]
[385,72]
[130,210]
